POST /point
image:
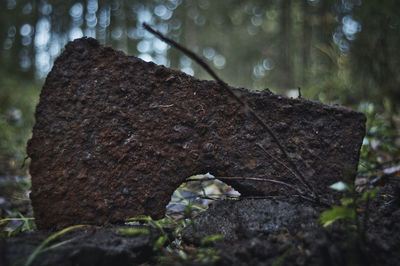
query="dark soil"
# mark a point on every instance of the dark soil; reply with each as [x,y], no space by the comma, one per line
[268,231]
[273,231]
[93,246]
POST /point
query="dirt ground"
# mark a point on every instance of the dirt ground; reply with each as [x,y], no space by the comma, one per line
[268,231]
[286,232]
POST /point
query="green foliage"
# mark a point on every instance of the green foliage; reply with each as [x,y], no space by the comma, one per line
[14,214]
[133,231]
[204,255]
[336,213]
[157,224]
[166,233]
[281,259]
[15,190]
[211,239]
[11,226]
[348,211]
[370,194]
[159,240]
[354,213]
[168,244]
[17,103]
[381,143]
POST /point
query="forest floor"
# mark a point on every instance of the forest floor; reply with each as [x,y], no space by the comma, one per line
[267,231]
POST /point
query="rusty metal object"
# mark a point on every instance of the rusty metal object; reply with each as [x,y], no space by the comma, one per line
[115,136]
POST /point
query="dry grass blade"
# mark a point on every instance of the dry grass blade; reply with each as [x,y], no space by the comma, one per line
[42,246]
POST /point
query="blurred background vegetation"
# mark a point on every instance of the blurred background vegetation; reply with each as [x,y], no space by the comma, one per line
[337,51]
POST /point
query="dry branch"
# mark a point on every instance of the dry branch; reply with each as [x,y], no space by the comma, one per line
[295,171]
[258,179]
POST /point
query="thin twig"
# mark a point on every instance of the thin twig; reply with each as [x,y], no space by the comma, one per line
[312,200]
[275,159]
[228,178]
[300,193]
[246,107]
[315,201]
[23,163]
[208,197]
[379,167]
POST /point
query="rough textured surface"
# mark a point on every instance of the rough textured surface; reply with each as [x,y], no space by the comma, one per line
[102,246]
[235,219]
[256,232]
[115,136]
[265,231]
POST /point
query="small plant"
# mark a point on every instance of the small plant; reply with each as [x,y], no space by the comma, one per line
[187,201]
[11,226]
[381,145]
[168,243]
[43,246]
[350,206]
[355,217]
[159,241]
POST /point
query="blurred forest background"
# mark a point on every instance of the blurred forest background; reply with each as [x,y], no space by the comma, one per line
[337,51]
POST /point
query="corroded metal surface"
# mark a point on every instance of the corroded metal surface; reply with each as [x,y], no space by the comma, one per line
[115,136]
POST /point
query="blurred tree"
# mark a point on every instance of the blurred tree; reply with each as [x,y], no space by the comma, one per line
[336,51]
[285,34]
[375,54]
[255,44]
